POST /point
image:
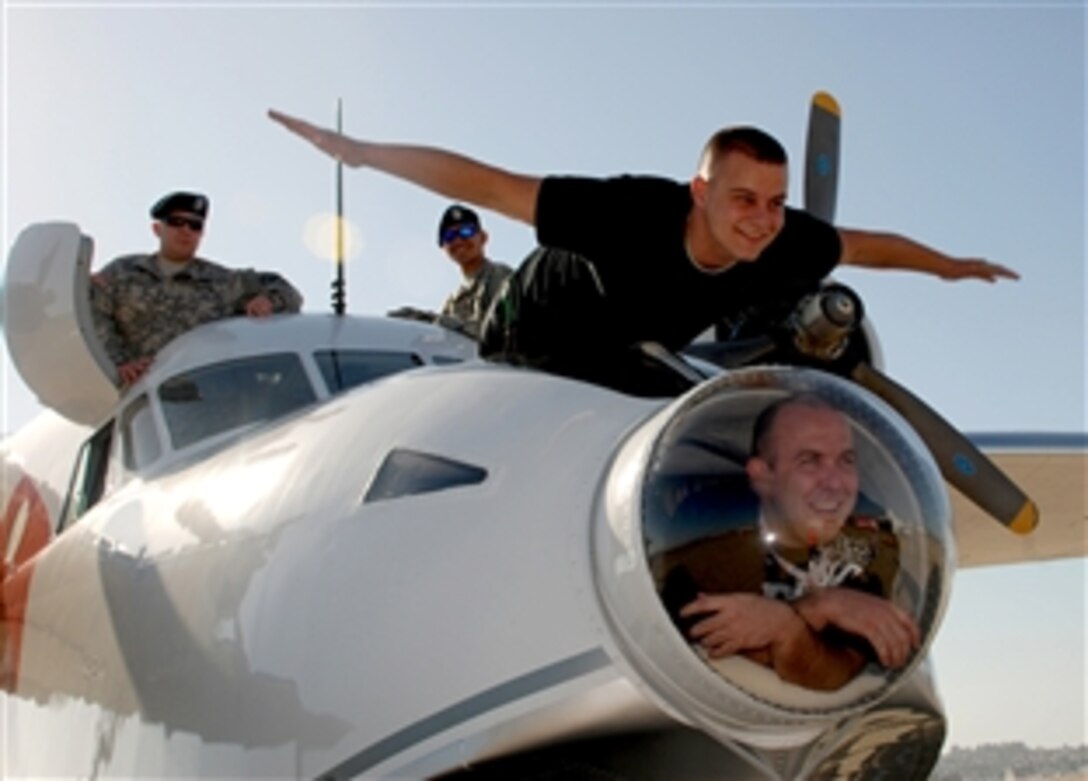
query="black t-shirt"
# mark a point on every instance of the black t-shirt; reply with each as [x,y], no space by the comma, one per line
[632,229]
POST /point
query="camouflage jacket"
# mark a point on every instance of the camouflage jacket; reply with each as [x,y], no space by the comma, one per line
[469,303]
[138,309]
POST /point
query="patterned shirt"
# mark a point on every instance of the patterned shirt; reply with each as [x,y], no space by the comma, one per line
[138,309]
[469,303]
[843,561]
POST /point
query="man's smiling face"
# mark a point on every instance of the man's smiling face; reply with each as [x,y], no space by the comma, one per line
[807,478]
[744,201]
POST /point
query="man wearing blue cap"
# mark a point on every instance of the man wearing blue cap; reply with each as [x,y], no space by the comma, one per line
[463,238]
[142,302]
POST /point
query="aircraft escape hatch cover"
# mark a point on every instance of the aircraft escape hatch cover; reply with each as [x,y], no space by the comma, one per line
[48,326]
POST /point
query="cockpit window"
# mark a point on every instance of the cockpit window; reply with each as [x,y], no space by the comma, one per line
[88,482]
[344,369]
[139,441]
[109,457]
[224,396]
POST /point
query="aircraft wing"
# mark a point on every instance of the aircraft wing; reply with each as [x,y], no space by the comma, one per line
[1053,470]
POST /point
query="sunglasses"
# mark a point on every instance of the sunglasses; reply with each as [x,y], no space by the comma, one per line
[192,223]
[466,231]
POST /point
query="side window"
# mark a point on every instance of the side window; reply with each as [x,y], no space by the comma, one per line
[344,369]
[224,396]
[88,482]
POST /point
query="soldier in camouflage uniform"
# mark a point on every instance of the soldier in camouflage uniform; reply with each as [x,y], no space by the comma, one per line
[806,589]
[463,238]
[141,302]
[460,234]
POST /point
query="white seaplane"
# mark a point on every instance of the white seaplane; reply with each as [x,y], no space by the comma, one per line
[332,546]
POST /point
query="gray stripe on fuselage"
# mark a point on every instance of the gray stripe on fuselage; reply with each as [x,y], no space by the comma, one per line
[495,697]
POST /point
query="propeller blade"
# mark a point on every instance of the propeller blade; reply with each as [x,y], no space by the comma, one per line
[822,157]
[961,463]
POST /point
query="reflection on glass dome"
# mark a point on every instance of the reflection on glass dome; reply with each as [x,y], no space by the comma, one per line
[798,536]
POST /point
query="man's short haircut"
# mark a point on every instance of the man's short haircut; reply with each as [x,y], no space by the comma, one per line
[750,141]
[764,425]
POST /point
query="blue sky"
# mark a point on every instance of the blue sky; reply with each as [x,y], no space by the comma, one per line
[964,127]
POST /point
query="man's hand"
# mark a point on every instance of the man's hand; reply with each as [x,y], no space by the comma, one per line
[873,249]
[734,623]
[976,268]
[259,306]
[888,628]
[330,142]
[411,313]
[129,372]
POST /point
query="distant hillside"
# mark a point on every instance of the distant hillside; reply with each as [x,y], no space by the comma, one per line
[1007,761]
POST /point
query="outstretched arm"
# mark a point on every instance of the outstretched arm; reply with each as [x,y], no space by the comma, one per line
[892,251]
[446,173]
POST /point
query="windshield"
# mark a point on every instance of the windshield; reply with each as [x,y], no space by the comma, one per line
[344,369]
[212,399]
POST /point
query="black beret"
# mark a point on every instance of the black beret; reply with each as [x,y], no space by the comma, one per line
[456,215]
[194,203]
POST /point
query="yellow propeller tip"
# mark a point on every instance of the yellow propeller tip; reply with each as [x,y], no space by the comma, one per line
[828,103]
[1026,520]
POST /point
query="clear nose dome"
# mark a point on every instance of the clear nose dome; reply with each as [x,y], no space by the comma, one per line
[714,524]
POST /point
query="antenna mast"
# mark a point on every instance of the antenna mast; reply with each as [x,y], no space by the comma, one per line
[338,283]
